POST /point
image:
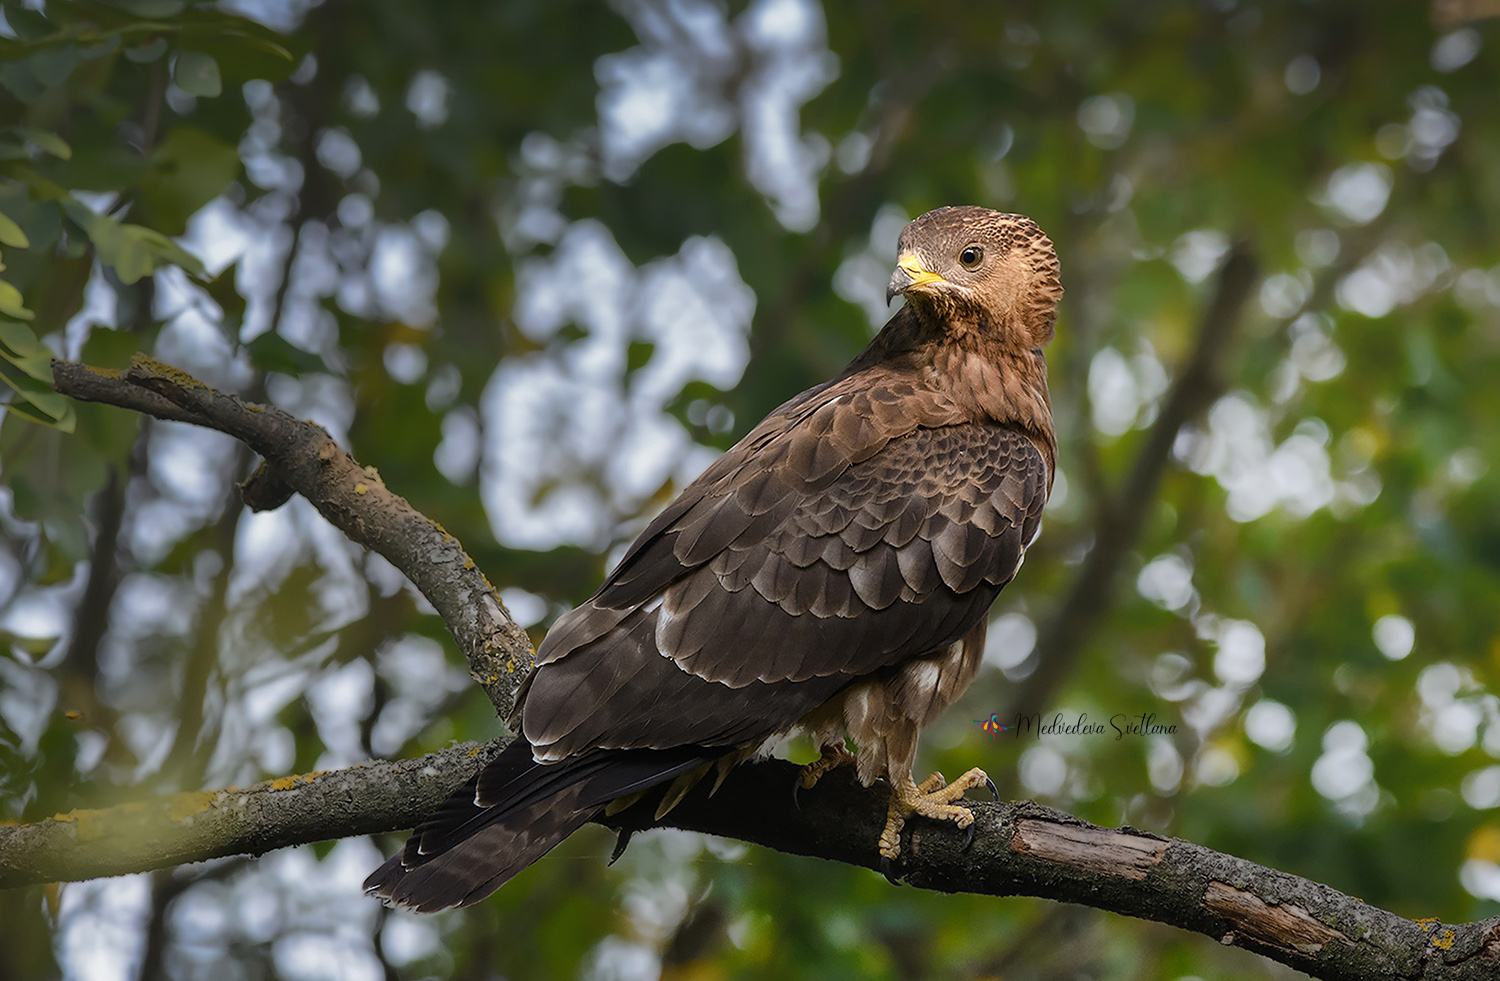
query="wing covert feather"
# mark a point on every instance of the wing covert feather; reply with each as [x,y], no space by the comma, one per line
[788,577]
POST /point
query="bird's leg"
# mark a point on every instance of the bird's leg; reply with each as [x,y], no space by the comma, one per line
[934,781]
[835,755]
[932,799]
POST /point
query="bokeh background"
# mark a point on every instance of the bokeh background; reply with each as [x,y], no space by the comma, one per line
[538,262]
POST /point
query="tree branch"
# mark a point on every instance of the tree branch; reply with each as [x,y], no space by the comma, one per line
[1019,849]
[198,825]
[301,457]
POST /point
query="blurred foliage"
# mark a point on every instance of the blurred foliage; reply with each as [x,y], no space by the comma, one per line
[434,227]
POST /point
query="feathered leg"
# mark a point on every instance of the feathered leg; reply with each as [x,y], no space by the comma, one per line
[834,755]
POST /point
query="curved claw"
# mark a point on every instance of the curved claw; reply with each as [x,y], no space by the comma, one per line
[797,793]
[968,837]
[994,790]
[620,843]
[885,870]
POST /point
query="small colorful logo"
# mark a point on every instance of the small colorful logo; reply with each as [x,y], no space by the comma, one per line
[993,726]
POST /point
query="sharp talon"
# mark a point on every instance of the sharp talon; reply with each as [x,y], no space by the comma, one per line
[968,838]
[797,793]
[994,790]
[885,870]
[620,843]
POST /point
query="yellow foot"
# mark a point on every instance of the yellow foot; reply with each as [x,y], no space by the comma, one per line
[833,757]
[932,799]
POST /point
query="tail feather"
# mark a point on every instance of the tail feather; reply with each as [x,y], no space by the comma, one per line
[510,814]
[483,862]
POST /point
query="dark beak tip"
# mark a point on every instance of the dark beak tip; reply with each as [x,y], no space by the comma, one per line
[900,281]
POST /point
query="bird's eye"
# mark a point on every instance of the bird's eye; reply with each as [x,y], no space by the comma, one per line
[970,256]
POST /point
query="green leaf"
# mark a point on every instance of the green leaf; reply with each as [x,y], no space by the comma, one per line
[146,53]
[11,233]
[48,142]
[223,290]
[45,400]
[637,355]
[34,646]
[54,65]
[107,348]
[132,251]
[268,46]
[242,48]
[68,536]
[38,402]
[132,260]
[17,76]
[108,45]
[30,26]
[103,231]
[272,352]
[189,169]
[164,249]
[40,221]
[28,504]
[19,346]
[153,9]
[198,74]
[65,423]
[11,304]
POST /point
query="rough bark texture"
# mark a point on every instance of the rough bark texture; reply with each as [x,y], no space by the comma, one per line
[385,795]
[1017,848]
[1025,849]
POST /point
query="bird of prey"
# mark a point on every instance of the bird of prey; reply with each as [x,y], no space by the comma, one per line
[831,573]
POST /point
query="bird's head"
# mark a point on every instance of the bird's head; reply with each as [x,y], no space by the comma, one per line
[996,269]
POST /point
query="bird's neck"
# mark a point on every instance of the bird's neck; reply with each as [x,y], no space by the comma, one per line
[1007,385]
[995,381]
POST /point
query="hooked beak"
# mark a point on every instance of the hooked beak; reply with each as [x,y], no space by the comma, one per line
[910,274]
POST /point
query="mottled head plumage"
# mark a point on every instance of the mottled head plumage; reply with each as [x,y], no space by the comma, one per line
[972,264]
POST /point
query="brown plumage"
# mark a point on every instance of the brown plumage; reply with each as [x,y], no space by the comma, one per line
[832,571]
